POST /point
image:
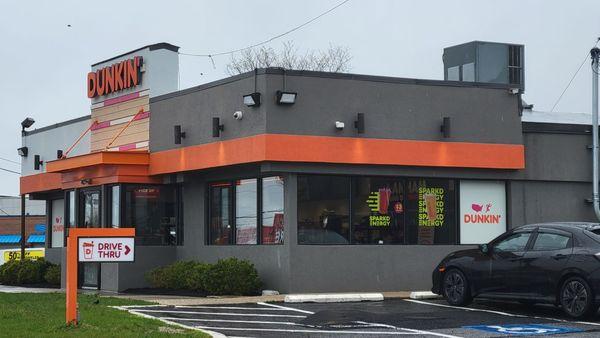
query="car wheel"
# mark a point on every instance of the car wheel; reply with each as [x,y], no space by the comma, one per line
[456,288]
[576,298]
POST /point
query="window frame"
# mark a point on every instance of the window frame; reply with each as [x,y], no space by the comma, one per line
[232,209]
[552,232]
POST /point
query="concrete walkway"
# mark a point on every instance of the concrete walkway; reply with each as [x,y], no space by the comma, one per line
[20,289]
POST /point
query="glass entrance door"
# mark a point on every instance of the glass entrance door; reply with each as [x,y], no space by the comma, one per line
[90,218]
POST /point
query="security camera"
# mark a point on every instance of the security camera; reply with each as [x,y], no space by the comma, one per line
[514,91]
[238,115]
[339,125]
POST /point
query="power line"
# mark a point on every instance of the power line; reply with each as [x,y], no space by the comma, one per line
[10,171]
[270,39]
[11,161]
[573,78]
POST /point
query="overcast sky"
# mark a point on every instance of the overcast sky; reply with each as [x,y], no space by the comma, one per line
[43,62]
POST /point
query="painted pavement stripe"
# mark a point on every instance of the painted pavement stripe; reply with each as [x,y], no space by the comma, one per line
[502,313]
[229,308]
[285,308]
[229,321]
[223,313]
[315,331]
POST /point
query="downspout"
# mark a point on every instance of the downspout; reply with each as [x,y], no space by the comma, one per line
[595,55]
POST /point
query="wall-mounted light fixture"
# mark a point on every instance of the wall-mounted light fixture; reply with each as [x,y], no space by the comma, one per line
[217,127]
[86,181]
[286,97]
[178,134]
[28,122]
[359,124]
[252,100]
[37,162]
[23,151]
[445,127]
[339,125]
[59,154]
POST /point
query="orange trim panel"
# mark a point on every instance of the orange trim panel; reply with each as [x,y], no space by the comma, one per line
[40,182]
[347,150]
[92,159]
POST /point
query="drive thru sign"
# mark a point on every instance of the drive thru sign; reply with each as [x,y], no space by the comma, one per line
[94,245]
[106,249]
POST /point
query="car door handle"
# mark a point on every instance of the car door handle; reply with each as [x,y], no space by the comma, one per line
[514,259]
[559,256]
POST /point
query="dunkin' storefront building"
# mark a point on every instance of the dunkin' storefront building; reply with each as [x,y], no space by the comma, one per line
[326,182]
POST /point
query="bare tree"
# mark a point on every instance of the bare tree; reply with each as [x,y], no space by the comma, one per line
[335,59]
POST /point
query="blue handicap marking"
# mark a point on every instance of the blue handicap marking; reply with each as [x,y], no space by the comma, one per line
[523,329]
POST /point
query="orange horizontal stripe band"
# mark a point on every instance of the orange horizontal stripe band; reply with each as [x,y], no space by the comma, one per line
[346,150]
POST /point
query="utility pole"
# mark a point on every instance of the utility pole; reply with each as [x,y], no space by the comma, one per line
[595,55]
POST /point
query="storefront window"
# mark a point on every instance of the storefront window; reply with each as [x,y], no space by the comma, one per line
[153,211]
[377,211]
[115,206]
[430,211]
[58,228]
[240,200]
[246,211]
[383,210]
[272,210]
[71,208]
[323,210]
[220,212]
[91,208]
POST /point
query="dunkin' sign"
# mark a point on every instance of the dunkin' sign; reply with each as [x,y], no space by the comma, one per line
[482,211]
[114,78]
[106,249]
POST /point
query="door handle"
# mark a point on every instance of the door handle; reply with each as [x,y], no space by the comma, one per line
[514,259]
[559,256]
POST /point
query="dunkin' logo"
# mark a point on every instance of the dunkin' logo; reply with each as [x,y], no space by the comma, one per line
[482,214]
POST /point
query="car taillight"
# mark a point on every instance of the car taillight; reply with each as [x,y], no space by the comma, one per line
[597,255]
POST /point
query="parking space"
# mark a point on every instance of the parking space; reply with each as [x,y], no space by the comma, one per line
[398,317]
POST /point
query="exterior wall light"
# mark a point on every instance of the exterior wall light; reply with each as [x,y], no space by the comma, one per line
[28,122]
[445,127]
[37,162]
[339,125]
[217,127]
[178,134]
[59,154]
[23,151]
[286,97]
[359,124]
[252,100]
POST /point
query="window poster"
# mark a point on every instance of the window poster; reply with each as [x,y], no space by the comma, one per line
[58,223]
[482,211]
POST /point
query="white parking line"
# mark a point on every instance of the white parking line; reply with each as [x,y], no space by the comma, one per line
[230,308]
[313,331]
[229,321]
[285,308]
[222,313]
[502,313]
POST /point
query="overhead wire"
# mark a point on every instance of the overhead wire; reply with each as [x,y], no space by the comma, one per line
[11,161]
[270,39]
[10,171]
[587,55]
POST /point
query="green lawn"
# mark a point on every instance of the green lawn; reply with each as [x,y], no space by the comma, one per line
[43,315]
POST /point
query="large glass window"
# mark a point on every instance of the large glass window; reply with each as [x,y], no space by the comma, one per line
[153,211]
[323,210]
[58,225]
[115,206]
[384,210]
[549,242]
[272,210]
[246,211]
[71,208]
[377,211]
[235,208]
[91,208]
[220,227]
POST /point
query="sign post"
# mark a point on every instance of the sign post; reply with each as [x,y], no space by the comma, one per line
[94,245]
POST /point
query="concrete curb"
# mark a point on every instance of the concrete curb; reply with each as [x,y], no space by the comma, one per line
[424,295]
[334,298]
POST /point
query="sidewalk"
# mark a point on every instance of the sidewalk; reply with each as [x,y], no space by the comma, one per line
[182,300]
[187,301]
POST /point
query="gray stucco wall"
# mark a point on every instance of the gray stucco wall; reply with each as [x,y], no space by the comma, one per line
[394,108]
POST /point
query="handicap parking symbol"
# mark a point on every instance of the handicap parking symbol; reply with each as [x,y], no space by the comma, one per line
[523,329]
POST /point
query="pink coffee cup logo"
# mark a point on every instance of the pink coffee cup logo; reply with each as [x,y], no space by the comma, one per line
[88,249]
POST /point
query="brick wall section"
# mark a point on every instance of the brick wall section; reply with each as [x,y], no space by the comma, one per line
[11,225]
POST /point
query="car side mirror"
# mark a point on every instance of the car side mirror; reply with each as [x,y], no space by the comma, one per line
[484,248]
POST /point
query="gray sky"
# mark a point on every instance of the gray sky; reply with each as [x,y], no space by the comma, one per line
[44,63]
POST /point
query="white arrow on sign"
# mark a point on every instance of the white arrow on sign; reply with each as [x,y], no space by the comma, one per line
[106,249]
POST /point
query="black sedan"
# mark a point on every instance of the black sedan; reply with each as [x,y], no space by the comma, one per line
[556,263]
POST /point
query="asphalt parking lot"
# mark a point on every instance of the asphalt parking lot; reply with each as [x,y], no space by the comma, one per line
[398,317]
